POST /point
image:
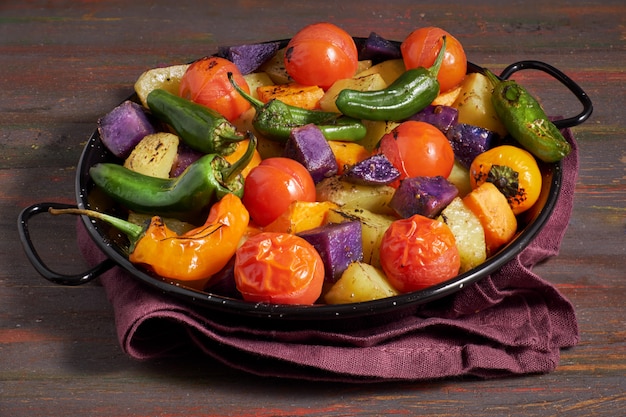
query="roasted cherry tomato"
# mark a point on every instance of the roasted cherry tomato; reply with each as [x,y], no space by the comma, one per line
[320,54]
[513,171]
[278,268]
[274,184]
[421,47]
[418,252]
[206,82]
[418,149]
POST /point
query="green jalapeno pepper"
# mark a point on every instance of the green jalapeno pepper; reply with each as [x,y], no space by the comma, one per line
[526,121]
[185,197]
[413,91]
[275,120]
[201,128]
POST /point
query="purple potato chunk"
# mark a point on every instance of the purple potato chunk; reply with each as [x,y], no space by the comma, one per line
[469,141]
[426,196]
[248,58]
[307,145]
[123,128]
[443,118]
[185,157]
[339,244]
[375,170]
[378,49]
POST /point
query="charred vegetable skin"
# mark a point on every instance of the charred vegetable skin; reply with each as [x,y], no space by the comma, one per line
[199,127]
[185,197]
[275,120]
[526,121]
[413,91]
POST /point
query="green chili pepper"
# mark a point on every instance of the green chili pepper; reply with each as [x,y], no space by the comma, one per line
[526,121]
[201,128]
[185,197]
[275,120]
[408,94]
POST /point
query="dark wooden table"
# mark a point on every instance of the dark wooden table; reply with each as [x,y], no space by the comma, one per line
[64,64]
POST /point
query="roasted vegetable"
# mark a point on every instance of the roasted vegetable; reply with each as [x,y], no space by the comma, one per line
[360,282]
[275,120]
[374,198]
[292,94]
[373,227]
[426,196]
[184,157]
[199,127]
[469,141]
[249,58]
[474,104]
[417,253]
[154,155]
[526,121]
[278,268]
[165,78]
[123,127]
[514,171]
[339,244]
[301,216]
[410,93]
[378,49]
[307,145]
[495,215]
[185,197]
[442,117]
[468,233]
[375,170]
[192,258]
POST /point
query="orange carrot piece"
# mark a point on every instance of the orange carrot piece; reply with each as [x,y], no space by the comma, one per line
[494,213]
[306,97]
[347,153]
[301,216]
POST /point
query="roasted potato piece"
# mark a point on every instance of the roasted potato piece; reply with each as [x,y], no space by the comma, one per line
[468,232]
[154,155]
[359,282]
[166,78]
[474,104]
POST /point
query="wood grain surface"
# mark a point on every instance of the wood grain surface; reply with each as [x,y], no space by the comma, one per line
[63,64]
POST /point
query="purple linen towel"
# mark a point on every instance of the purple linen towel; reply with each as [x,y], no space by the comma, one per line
[510,323]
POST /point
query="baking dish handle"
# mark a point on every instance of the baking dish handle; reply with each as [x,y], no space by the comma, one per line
[39,264]
[565,80]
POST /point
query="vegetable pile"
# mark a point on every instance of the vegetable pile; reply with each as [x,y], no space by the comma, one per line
[328,170]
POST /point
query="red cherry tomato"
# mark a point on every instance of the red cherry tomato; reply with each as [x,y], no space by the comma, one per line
[320,54]
[206,82]
[418,149]
[421,47]
[418,252]
[278,268]
[274,184]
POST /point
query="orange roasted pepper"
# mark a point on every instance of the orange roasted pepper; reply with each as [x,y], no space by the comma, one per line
[191,258]
[195,256]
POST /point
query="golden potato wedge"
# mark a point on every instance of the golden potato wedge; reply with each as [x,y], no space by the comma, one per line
[474,104]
